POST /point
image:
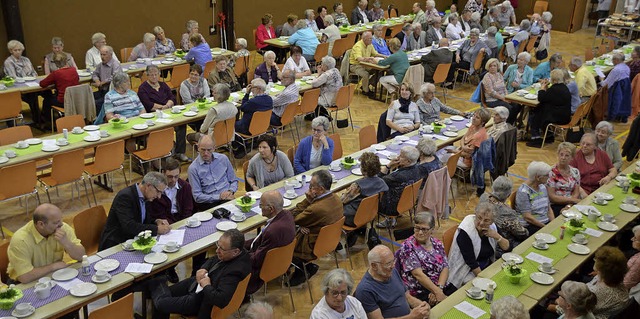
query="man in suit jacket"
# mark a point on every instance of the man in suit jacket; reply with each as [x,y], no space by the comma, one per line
[434,33]
[439,56]
[320,208]
[405,36]
[360,13]
[128,214]
[279,231]
[215,282]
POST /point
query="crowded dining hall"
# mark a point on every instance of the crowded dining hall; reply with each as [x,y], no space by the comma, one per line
[311,159]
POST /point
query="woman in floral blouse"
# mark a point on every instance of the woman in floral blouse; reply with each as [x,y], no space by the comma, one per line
[563,185]
[422,262]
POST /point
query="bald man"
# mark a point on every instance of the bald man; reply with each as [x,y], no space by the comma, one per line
[382,293]
[279,231]
[441,55]
[211,176]
[37,248]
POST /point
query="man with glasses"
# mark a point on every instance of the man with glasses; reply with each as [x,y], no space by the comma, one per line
[211,175]
[128,215]
[382,293]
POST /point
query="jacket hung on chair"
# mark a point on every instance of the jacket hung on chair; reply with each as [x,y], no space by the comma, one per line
[619,99]
[506,152]
[483,160]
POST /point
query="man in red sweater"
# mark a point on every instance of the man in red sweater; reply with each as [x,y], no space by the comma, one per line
[62,78]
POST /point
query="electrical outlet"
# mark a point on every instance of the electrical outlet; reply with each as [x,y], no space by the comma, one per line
[212,30]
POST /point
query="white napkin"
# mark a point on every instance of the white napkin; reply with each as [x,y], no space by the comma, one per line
[164,120]
[440,137]
[411,142]
[539,258]
[593,232]
[176,235]
[94,258]
[141,268]
[257,210]
[49,143]
[470,310]
[199,288]
[599,71]
[66,285]
[32,84]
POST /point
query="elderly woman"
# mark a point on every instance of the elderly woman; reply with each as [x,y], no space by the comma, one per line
[467,54]
[543,71]
[339,16]
[56,47]
[269,165]
[563,185]
[632,277]
[376,12]
[256,99]
[223,74]
[192,29]
[576,100]
[403,115]
[532,198]
[224,110]
[508,307]
[200,52]
[428,162]
[92,58]
[310,20]
[18,66]
[314,150]
[430,106]
[306,39]
[195,86]
[475,21]
[474,245]
[367,186]
[265,31]
[506,14]
[506,219]
[523,35]
[430,11]
[268,71]
[241,48]
[576,300]
[500,125]
[329,81]
[492,42]
[520,75]
[454,29]
[337,302]
[146,49]
[554,107]
[634,64]
[122,101]
[297,63]
[398,63]
[331,32]
[163,44]
[595,166]
[476,134]
[610,267]
[289,27]
[495,91]
[422,261]
[604,130]
[62,77]
[474,6]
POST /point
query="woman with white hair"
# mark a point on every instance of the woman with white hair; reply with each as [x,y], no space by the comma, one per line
[520,75]
[532,198]
[339,16]
[192,28]
[18,66]
[576,300]
[474,23]
[305,38]
[330,31]
[241,52]
[329,81]
[500,125]
[506,14]
[255,100]
[523,35]
[314,150]
[122,101]
[164,45]
[492,42]
[430,106]
[474,245]
[467,54]
[632,277]
[495,90]
[431,12]
[454,29]
[604,130]
[92,58]
[554,107]
[563,185]
[337,302]
[56,47]
[268,71]
[428,162]
[310,21]
[508,307]
[146,49]
[506,219]
[376,12]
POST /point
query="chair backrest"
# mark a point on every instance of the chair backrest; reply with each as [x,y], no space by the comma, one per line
[367,210]
[88,226]
[477,65]
[291,153]
[309,101]
[109,156]
[245,168]
[208,67]
[260,122]
[342,97]
[19,179]
[340,46]
[440,75]
[160,143]
[235,303]
[452,163]
[68,167]
[179,74]
[394,13]
[254,37]
[337,146]
[289,113]
[69,122]
[531,43]
[501,55]
[4,260]
[408,198]
[241,65]
[277,261]
[395,30]
[367,136]
[483,97]
[11,135]
[250,75]
[125,53]
[328,238]
[540,6]
[351,39]
[588,54]
[447,238]
[221,134]
[512,199]
[322,50]
[121,308]
[11,104]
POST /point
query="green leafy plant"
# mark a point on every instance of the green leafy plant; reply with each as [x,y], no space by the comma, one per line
[577,223]
[9,293]
[513,268]
[201,100]
[349,160]
[245,199]
[7,78]
[144,238]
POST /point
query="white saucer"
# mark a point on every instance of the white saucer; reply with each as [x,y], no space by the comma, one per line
[155,258]
[180,107]
[59,144]
[605,196]
[553,271]
[578,249]
[630,208]
[297,185]
[190,113]
[254,194]
[584,242]
[457,118]
[356,171]
[607,226]
[378,147]
[125,248]
[107,265]
[541,278]
[167,250]
[64,274]
[29,78]
[84,289]
[98,281]
[603,203]
[401,138]
[286,202]
[91,128]
[195,225]
[480,297]
[531,96]
[544,247]
[17,315]
[140,127]
[167,62]
[155,62]
[147,115]
[80,131]
[548,238]
[226,225]
[20,148]
[287,196]
[450,133]
[91,138]
[307,178]
[203,216]
[3,159]
[234,218]
[511,256]
[483,282]
[335,170]
[33,141]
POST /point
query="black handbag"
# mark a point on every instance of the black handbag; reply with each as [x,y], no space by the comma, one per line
[574,134]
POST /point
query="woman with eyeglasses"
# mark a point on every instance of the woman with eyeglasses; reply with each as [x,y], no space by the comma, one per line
[337,286]
[422,261]
[314,150]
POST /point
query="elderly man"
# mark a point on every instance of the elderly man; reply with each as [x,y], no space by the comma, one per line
[492,16]
[279,231]
[363,51]
[506,14]
[584,79]
[430,61]
[290,94]
[619,86]
[434,33]
[402,171]
[329,81]
[404,36]
[211,175]
[103,74]
[418,40]
[382,293]
[37,248]
[128,214]
[452,9]
[261,101]
[320,208]
[146,49]
[360,13]
[420,17]
[543,71]
[213,285]
[378,42]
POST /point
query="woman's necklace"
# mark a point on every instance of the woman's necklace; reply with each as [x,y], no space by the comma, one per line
[270,164]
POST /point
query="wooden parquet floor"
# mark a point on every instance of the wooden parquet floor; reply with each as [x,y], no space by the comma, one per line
[365,112]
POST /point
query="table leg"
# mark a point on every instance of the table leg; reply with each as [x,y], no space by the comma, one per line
[103,184]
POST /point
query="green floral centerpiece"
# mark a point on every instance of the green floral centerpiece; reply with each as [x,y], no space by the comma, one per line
[8,81]
[202,102]
[245,203]
[514,272]
[116,122]
[180,53]
[634,179]
[574,226]
[437,126]
[348,161]
[144,242]
[9,296]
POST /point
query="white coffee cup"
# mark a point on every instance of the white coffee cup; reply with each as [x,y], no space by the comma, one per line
[23,308]
[149,122]
[547,266]
[629,200]
[192,221]
[101,274]
[171,245]
[47,281]
[447,121]
[607,217]
[599,200]
[579,238]
[474,291]
[428,129]
[76,129]
[175,109]
[335,166]
[540,243]
[23,144]
[43,291]
[104,133]
[592,216]
[10,153]
[194,109]
[62,141]
[129,243]
[238,214]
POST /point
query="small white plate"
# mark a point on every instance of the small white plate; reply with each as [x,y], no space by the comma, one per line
[480,297]
[91,128]
[401,138]
[603,203]
[33,141]
[605,196]
[14,313]
[3,159]
[61,144]
[155,62]
[20,148]
[583,242]
[522,92]
[226,225]
[612,221]
[286,202]
[578,249]
[194,225]
[378,147]
[99,281]
[307,178]
[203,216]
[29,78]
[545,246]
[84,74]
[483,282]
[571,214]
[541,278]
[531,96]
[254,194]
[64,274]
[167,62]
[147,115]
[548,238]
[511,256]
[607,226]
[167,250]
[50,148]
[80,131]
[297,185]
[180,107]
[155,258]
[107,265]
[356,171]
[586,212]
[92,138]
[335,170]
[450,133]
[190,113]
[553,270]
[457,118]
[238,219]
[140,127]
[133,67]
[630,208]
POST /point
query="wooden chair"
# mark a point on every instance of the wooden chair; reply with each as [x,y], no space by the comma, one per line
[502,57]
[121,308]
[250,75]
[11,135]
[337,146]
[235,303]
[407,203]
[447,238]
[367,136]
[88,225]
[245,168]
[208,67]
[576,121]
[539,7]
[309,102]
[340,46]
[483,97]
[19,181]
[512,199]
[108,158]
[291,153]
[322,50]
[258,126]
[125,53]
[440,76]
[69,122]
[351,39]
[531,45]
[276,263]
[4,260]
[179,73]
[288,118]
[242,65]
[66,168]
[343,100]
[11,107]
[366,213]
[327,241]
[395,30]
[159,145]
[477,66]
[588,54]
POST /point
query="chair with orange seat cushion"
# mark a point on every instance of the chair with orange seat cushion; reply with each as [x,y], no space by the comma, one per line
[234,304]
[367,136]
[69,122]
[88,225]
[447,238]
[337,146]
[366,213]
[4,260]
[407,203]
[288,118]
[343,102]
[159,145]
[108,158]
[309,102]
[14,134]
[125,53]
[258,126]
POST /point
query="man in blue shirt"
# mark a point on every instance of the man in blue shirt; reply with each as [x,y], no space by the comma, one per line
[378,41]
